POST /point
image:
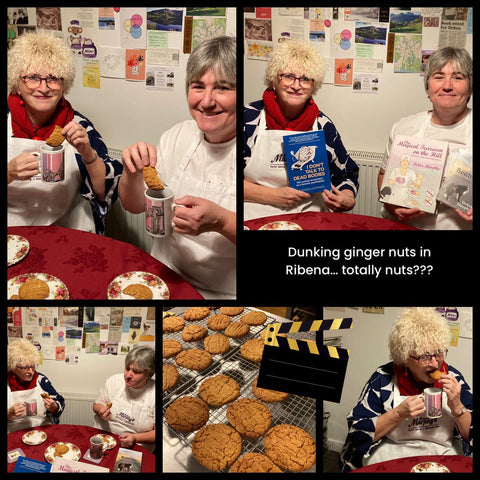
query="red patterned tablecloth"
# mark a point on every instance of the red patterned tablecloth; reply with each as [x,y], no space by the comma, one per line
[330,221]
[79,435]
[86,263]
[455,463]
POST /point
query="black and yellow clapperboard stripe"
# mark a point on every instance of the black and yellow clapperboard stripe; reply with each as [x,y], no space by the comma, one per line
[304,367]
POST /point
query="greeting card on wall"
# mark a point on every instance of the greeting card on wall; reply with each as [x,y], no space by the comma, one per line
[414,172]
[135,65]
[343,71]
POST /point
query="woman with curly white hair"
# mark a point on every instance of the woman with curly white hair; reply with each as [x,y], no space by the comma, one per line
[294,74]
[41,70]
[31,398]
[389,420]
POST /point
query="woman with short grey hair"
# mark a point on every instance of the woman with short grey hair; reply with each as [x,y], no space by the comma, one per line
[448,83]
[196,160]
[126,403]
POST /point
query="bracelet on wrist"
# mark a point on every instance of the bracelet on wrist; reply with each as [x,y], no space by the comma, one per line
[93,160]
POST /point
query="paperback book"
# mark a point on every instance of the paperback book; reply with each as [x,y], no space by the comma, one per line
[414,173]
[307,161]
[456,189]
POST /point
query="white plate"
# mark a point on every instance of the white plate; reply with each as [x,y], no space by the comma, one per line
[281,225]
[155,284]
[58,290]
[34,437]
[73,452]
[17,249]
[429,467]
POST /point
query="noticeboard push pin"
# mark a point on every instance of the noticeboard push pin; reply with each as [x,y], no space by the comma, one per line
[304,367]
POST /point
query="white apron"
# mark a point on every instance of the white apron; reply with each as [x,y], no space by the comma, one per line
[267,167]
[33,202]
[128,416]
[417,436]
[206,261]
[19,423]
[446,218]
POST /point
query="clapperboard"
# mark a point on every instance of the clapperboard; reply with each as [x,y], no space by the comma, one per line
[304,367]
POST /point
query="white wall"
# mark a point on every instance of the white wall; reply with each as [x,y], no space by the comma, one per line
[363,120]
[368,345]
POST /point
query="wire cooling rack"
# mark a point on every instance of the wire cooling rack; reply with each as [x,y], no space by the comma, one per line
[295,410]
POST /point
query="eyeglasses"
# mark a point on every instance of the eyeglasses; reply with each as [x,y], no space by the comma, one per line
[426,358]
[34,81]
[28,367]
[288,79]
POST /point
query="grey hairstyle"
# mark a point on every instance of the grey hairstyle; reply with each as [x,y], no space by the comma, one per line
[219,54]
[143,358]
[459,58]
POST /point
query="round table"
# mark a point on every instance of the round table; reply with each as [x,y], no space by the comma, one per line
[86,263]
[330,221]
[455,463]
[79,435]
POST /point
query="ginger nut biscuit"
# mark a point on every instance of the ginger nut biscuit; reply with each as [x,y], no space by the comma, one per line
[150,175]
[254,318]
[34,289]
[237,330]
[249,417]
[216,344]
[194,359]
[138,291]
[219,322]
[171,347]
[266,395]
[290,447]
[170,377]
[232,311]
[254,463]
[436,375]
[194,332]
[172,324]
[219,390]
[187,414]
[195,314]
[216,446]
[252,349]
[56,138]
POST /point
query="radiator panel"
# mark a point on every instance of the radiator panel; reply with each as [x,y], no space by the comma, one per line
[78,409]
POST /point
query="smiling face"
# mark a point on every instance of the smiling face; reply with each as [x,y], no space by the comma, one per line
[213,105]
[42,100]
[448,89]
[292,99]
[134,377]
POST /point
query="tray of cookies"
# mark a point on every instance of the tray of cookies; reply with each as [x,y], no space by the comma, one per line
[224,421]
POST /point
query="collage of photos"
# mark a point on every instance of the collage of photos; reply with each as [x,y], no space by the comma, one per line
[130,210]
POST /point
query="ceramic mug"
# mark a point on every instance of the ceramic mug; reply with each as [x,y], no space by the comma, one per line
[31,408]
[159,209]
[51,163]
[433,402]
[96,446]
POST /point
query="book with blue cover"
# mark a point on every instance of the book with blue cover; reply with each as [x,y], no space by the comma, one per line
[307,161]
[30,465]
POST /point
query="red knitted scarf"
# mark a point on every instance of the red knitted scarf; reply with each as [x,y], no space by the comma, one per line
[23,127]
[277,121]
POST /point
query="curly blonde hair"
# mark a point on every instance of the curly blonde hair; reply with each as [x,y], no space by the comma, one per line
[295,56]
[21,352]
[418,331]
[40,50]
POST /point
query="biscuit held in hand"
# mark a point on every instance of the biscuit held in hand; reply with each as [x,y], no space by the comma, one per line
[436,375]
[150,175]
[56,138]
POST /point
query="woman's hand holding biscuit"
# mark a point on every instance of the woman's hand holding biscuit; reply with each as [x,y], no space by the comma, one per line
[137,156]
[50,405]
[77,136]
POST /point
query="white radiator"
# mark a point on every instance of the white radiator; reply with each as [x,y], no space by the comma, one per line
[78,409]
[126,226]
[369,164]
